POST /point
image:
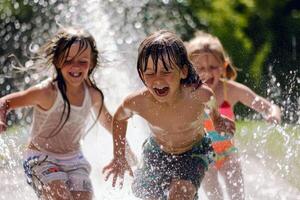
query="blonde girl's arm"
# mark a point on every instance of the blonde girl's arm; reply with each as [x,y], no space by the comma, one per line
[222,123]
[245,95]
[30,97]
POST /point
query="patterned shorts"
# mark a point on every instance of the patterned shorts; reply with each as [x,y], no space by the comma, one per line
[41,169]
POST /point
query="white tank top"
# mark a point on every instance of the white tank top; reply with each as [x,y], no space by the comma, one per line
[44,133]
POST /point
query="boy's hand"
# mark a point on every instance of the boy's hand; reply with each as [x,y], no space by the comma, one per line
[224,125]
[117,168]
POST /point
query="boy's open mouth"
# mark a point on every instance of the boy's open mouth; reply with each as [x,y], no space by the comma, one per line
[75,74]
[161,91]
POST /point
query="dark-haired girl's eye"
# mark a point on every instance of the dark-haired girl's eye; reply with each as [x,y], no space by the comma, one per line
[148,74]
[83,62]
[68,62]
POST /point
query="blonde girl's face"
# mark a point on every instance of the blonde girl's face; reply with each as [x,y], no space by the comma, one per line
[163,83]
[76,65]
[208,67]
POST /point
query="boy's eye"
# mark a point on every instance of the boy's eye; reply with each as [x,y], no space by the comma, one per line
[166,72]
[214,67]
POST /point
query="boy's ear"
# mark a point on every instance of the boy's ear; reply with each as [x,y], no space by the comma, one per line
[184,72]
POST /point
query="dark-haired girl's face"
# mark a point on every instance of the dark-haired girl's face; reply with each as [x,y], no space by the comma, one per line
[208,67]
[163,83]
[76,65]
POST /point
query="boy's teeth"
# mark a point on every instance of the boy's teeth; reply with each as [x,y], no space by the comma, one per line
[159,87]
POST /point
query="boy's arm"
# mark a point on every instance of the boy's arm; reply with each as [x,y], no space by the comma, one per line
[119,164]
[270,112]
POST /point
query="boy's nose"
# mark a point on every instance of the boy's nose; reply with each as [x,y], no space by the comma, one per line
[204,75]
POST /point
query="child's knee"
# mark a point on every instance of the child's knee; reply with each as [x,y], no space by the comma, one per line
[57,190]
[182,189]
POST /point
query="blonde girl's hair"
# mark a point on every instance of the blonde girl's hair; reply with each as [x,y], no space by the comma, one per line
[206,43]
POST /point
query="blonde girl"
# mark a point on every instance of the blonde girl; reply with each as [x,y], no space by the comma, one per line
[216,70]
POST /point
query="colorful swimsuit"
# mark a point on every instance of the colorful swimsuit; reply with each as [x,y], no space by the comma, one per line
[223,145]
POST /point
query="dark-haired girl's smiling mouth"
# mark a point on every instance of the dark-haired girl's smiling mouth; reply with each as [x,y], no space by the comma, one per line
[161,91]
[75,74]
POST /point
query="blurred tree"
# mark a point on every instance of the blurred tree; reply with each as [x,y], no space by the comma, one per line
[24,25]
[258,35]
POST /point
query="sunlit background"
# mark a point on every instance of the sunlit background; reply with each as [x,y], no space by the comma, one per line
[261,37]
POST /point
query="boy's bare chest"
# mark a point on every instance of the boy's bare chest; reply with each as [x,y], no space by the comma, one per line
[174,118]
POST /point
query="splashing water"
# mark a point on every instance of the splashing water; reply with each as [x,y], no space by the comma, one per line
[269,154]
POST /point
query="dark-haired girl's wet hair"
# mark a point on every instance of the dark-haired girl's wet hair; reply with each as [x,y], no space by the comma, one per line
[56,52]
[206,43]
[166,47]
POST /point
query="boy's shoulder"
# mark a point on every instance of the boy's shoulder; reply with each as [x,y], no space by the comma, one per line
[202,93]
[137,98]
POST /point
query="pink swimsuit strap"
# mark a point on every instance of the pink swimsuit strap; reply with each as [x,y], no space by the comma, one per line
[225,108]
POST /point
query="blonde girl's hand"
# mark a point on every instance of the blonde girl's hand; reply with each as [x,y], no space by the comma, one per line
[3,127]
[273,119]
[224,124]
[3,111]
[117,168]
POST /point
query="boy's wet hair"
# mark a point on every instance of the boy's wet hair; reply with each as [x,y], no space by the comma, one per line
[56,51]
[206,43]
[166,47]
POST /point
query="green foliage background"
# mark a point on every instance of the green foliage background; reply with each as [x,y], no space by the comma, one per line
[261,37]
[258,35]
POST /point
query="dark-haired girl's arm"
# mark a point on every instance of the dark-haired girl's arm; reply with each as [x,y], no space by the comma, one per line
[106,120]
[34,96]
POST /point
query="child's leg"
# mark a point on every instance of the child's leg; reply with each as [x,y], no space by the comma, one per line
[182,189]
[232,173]
[82,195]
[211,184]
[53,178]
[57,190]
[78,171]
